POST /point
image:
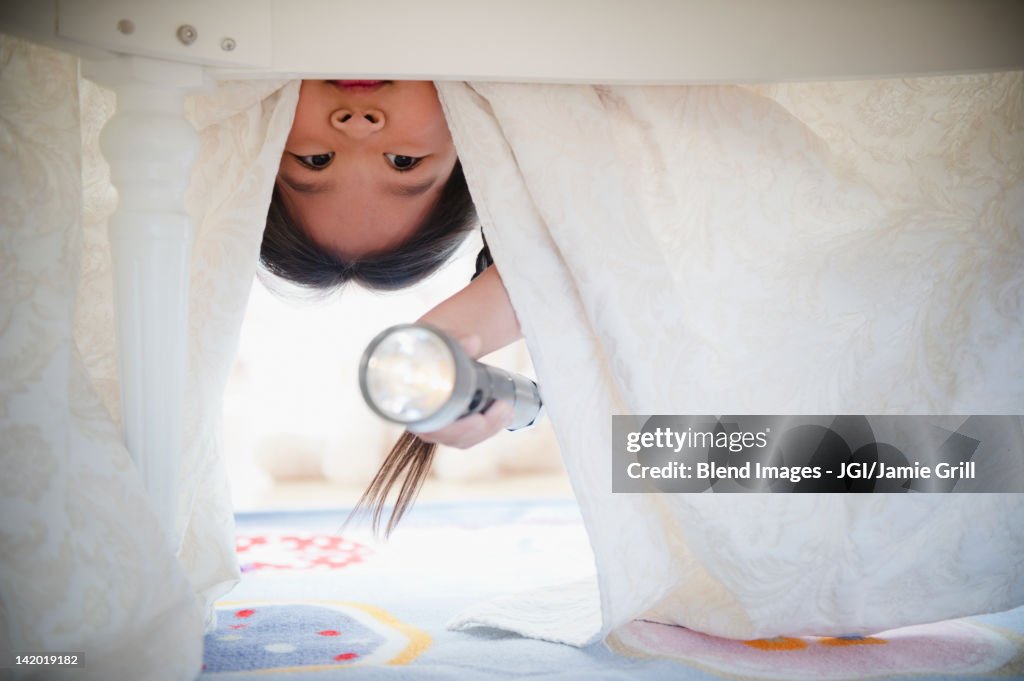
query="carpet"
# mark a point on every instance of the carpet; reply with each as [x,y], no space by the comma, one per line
[316,602]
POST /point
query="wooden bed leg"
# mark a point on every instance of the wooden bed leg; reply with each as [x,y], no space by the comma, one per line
[151,149]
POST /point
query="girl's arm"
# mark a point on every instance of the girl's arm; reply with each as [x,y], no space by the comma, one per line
[480,316]
[481,309]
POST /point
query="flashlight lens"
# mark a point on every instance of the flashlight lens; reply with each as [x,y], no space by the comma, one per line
[410,375]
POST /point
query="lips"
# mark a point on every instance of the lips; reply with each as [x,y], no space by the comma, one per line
[359,85]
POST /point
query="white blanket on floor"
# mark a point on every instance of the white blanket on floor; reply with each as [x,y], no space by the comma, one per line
[799,249]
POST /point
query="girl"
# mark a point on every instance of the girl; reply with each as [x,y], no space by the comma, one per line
[370,190]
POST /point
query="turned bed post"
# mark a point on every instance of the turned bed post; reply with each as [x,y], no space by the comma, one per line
[151,149]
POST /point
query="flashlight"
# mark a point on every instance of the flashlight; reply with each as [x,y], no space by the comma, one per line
[420,377]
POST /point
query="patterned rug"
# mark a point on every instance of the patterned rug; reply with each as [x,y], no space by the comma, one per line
[339,605]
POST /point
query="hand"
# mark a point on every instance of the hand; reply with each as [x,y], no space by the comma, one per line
[475,428]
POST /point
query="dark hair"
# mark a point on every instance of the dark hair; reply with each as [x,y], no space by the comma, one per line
[288,251]
[408,462]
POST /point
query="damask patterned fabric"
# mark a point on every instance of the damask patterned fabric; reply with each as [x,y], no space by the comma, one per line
[833,248]
[84,564]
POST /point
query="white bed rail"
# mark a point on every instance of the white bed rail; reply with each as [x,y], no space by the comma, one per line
[600,41]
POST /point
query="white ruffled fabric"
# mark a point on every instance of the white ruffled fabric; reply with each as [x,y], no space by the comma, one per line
[830,248]
[84,564]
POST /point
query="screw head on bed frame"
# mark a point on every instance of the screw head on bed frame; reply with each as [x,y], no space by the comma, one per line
[228,44]
[187,34]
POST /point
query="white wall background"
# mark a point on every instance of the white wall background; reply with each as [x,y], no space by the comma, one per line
[293,410]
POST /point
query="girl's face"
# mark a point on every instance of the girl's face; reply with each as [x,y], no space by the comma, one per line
[365,162]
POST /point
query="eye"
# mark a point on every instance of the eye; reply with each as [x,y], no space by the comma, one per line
[316,161]
[399,162]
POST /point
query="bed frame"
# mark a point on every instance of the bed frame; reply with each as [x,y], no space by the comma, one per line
[152,53]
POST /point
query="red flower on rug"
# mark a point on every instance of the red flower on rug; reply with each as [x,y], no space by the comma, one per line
[297,552]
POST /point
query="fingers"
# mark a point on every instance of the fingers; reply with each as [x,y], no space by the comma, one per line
[472,429]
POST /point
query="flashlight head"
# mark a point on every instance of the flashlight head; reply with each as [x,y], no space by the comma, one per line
[409,374]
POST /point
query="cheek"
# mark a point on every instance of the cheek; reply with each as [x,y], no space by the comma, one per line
[309,114]
[435,127]
[302,127]
[428,116]
[427,129]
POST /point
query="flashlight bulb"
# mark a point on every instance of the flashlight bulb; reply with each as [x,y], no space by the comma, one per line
[410,375]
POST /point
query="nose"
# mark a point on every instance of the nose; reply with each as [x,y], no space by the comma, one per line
[358,123]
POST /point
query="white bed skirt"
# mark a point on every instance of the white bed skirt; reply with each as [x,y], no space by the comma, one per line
[828,248]
[85,562]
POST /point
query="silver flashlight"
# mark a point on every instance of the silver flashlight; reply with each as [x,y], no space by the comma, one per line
[420,377]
